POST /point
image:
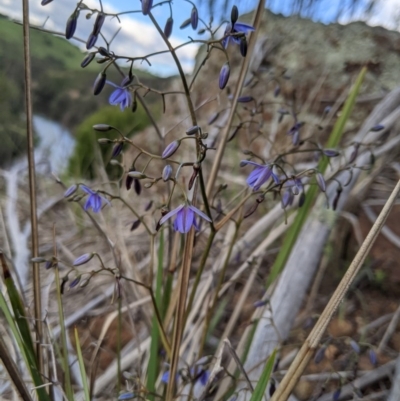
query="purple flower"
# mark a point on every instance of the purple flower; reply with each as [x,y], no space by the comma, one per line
[237,27]
[185,218]
[94,200]
[121,96]
[260,175]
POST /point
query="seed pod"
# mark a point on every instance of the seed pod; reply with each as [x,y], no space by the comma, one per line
[224,75]
[196,169]
[99,83]
[234,15]
[168,27]
[146,6]
[185,23]
[71,24]
[251,210]
[243,46]
[193,130]
[167,172]
[87,60]
[102,127]
[83,259]
[171,149]
[194,18]
[128,182]
[98,23]
[92,39]
[336,199]
[302,199]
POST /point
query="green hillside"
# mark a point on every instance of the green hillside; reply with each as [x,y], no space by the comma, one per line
[61,90]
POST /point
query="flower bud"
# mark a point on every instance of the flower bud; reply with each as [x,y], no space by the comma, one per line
[245,99]
[185,23]
[234,15]
[135,225]
[71,24]
[98,23]
[372,357]
[117,149]
[168,27]
[146,6]
[171,149]
[102,127]
[92,39]
[319,355]
[201,31]
[70,191]
[128,182]
[213,118]
[330,152]
[45,2]
[277,91]
[83,259]
[378,127]
[336,394]
[302,199]
[167,172]
[193,130]
[87,60]
[75,282]
[320,181]
[260,303]
[85,282]
[355,346]
[104,52]
[194,18]
[137,175]
[243,46]
[99,83]
[137,186]
[224,75]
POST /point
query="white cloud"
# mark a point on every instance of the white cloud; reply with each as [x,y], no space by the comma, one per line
[135,39]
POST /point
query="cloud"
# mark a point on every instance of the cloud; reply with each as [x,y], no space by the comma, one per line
[136,38]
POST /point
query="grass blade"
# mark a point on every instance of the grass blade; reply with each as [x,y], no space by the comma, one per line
[81,366]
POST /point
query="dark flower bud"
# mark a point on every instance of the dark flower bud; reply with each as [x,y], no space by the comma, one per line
[260,303]
[117,149]
[128,182]
[251,210]
[320,181]
[355,346]
[45,2]
[167,172]
[134,105]
[104,52]
[194,18]
[234,15]
[243,46]
[70,191]
[378,127]
[135,224]
[185,23]
[336,394]
[75,282]
[320,355]
[146,6]
[98,23]
[62,285]
[213,118]
[102,60]
[102,127]
[277,91]
[287,199]
[245,99]
[92,39]
[171,149]
[87,60]
[127,396]
[83,259]
[224,75]
[168,27]
[302,199]
[372,159]
[272,388]
[71,24]
[330,152]
[99,83]
[148,206]
[193,130]
[137,186]
[327,109]
[336,199]
[201,31]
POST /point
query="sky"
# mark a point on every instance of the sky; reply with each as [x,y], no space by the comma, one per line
[138,37]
